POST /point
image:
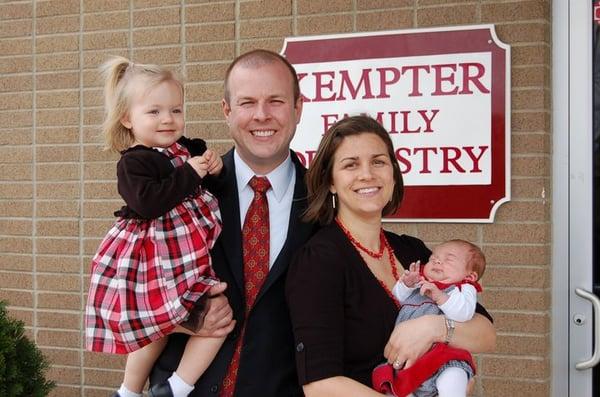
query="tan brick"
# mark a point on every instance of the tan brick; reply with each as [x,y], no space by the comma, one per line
[57,135]
[154,3]
[93,59]
[530,143]
[58,172]
[58,24]
[530,76]
[96,360]
[530,99]
[204,92]
[99,171]
[515,367]
[530,188]
[96,228]
[524,32]
[152,17]
[503,299]
[209,130]
[157,36]
[15,227]
[15,172]
[17,298]
[65,246]
[324,24]
[16,208]
[384,20]
[267,44]
[204,111]
[104,40]
[515,255]
[322,7]
[95,153]
[16,47]
[90,246]
[61,190]
[55,43]
[56,7]
[437,233]
[57,62]
[106,5]
[60,301]
[18,262]
[18,190]
[531,166]
[57,228]
[17,245]
[14,118]
[523,345]
[530,54]
[52,209]
[56,117]
[213,12]
[207,72]
[447,15]
[522,277]
[57,153]
[265,8]
[57,99]
[375,4]
[266,28]
[523,211]
[16,154]
[15,280]
[93,97]
[94,377]
[106,21]
[515,11]
[58,264]
[60,356]
[57,80]
[16,136]
[101,209]
[18,28]
[66,391]
[65,375]
[16,64]
[47,282]
[210,52]
[516,233]
[26,316]
[212,32]
[15,11]
[514,387]
[100,190]
[15,83]
[93,116]
[167,56]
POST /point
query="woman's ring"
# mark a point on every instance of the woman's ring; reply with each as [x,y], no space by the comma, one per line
[396,364]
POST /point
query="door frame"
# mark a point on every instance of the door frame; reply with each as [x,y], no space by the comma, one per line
[572,183]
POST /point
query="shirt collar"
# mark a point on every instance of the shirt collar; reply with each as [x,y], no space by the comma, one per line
[279,178]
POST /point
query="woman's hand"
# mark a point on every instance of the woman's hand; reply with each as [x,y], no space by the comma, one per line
[412,338]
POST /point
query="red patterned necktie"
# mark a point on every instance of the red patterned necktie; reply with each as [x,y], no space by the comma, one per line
[255,246]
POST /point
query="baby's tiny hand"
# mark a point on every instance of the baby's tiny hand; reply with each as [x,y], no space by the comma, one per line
[199,165]
[412,277]
[433,292]
[215,164]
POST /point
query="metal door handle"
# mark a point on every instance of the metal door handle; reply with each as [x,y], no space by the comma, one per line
[596,305]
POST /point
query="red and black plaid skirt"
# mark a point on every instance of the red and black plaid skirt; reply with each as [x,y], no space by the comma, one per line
[148,274]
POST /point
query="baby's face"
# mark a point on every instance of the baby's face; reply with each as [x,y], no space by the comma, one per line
[448,264]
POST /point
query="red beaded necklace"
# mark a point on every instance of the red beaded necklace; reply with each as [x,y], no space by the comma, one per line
[376,255]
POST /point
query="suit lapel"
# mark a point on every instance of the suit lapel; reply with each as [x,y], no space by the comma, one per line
[231,238]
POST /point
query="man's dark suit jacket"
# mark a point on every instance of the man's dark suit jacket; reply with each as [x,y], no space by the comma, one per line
[267,363]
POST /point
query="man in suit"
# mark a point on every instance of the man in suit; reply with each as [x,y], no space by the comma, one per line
[262,106]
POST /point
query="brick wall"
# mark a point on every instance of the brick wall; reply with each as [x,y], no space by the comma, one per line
[58,191]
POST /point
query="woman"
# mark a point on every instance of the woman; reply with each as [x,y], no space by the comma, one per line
[339,284]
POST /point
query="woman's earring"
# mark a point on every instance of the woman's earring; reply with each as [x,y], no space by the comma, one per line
[333,200]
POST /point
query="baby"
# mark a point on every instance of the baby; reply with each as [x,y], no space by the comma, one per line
[447,284]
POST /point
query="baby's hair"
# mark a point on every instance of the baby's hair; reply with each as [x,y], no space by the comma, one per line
[119,75]
[476,260]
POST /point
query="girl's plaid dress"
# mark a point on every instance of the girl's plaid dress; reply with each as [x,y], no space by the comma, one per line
[148,273]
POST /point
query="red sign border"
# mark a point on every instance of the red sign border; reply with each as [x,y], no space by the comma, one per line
[434,203]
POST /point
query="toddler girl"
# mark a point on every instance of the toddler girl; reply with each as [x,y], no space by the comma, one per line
[446,284]
[153,266]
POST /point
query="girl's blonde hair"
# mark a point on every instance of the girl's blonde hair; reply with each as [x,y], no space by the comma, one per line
[119,75]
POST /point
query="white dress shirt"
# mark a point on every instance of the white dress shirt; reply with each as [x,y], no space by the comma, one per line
[279,197]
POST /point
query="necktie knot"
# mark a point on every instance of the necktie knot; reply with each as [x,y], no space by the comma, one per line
[259,184]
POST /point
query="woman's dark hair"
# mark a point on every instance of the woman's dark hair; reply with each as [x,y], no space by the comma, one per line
[319,176]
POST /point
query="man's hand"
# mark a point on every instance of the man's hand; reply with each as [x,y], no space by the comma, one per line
[218,315]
